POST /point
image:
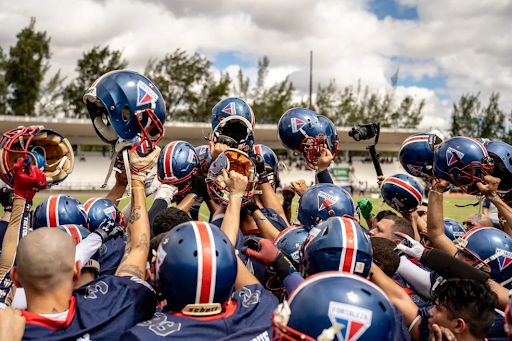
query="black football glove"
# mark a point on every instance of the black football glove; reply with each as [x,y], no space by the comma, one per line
[108,230]
[6,195]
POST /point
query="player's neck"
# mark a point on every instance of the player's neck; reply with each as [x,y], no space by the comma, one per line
[467,336]
[53,302]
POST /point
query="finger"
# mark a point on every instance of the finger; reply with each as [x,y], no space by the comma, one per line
[480,186]
[211,144]
[401,247]
[17,312]
[447,334]
[244,250]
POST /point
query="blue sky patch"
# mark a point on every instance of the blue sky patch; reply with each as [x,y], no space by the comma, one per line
[226,58]
[385,8]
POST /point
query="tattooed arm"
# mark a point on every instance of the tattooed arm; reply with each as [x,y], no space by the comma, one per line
[137,243]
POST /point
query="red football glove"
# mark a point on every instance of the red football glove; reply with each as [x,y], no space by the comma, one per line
[29,181]
[260,249]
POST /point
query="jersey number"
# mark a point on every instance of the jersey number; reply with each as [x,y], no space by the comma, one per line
[160,326]
[94,288]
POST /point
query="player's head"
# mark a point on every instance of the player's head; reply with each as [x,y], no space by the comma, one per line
[337,244]
[453,229]
[384,255]
[204,158]
[390,224]
[300,130]
[59,209]
[487,249]
[271,164]
[417,154]
[238,161]
[474,220]
[348,306]
[320,202]
[177,164]
[462,161]
[99,209]
[402,192]
[168,218]
[45,262]
[465,307]
[196,269]
[123,104]
[422,211]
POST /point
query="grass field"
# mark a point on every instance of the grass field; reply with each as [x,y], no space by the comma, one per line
[450,211]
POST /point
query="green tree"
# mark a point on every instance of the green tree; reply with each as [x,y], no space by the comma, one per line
[242,90]
[50,98]
[4,89]
[201,104]
[25,69]
[91,66]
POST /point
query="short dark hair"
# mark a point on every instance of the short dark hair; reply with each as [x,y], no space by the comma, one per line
[168,218]
[153,246]
[384,253]
[401,225]
[384,213]
[472,301]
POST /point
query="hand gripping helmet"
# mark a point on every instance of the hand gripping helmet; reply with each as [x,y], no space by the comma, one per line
[453,229]
[337,244]
[59,209]
[238,161]
[196,268]
[462,161]
[79,233]
[300,130]
[322,201]
[271,164]
[204,158]
[289,241]
[123,104]
[44,148]
[331,134]
[402,192]
[501,154]
[235,132]
[177,164]
[232,106]
[99,209]
[417,154]
[492,249]
[335,306]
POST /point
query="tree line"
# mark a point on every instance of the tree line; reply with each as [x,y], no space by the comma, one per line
[190,90]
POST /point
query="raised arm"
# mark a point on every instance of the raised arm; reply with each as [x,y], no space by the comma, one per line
[136,251]
[236,184]
[267,230]
[490,190]
[435,231]
[117,191]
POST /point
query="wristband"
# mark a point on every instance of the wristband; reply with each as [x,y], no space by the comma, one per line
[287,203]
[194,195]
[5,216]
[260,218]
[236,195]
[436,192]
[494,197]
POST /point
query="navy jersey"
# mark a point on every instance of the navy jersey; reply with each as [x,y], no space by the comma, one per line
[274,218]
[401,331]
[100,310]
[111,254]
[247,317]
[3,228]
[239,239]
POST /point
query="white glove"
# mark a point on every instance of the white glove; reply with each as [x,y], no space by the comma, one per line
[410,246]
[151,183]
[140,166]
[166,192]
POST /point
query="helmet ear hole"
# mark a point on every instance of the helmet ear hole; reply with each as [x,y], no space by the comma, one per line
[126,113]
[195,253]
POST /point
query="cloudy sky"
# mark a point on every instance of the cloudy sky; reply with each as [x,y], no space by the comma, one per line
[444,48]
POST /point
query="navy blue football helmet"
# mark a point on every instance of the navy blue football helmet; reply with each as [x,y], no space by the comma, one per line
[46,149]
[492,249]
[331,134]
[271,164]
[123,104]
[501,154]
[337,244]
[334,303]
[235,132]
[59,209]
[204,158]
[453,229]
[79,233]
[177,164]
[196,267]
[238,161]
[402,192]
[417,154]
[289,241]
[302,131]
[462,161]
[322,201]
[99,209]
[232,106]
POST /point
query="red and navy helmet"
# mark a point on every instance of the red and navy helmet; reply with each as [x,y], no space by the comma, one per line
[271,164]
[196,268]
[59,209]
[289,241]
[417,154]
[177,164]
[501,154]
[492,249]
[99,209]
[337,244]
[235,132]
[204,158]
[232,106]
[124,104]
[79,233]
[453,229]
[462,161]
[402,192]
[350,307]
[238,161]
[331,134]
[44,148]
[303,131]
[322,201]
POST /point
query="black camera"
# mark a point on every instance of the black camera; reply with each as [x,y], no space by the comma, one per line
[365,131]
